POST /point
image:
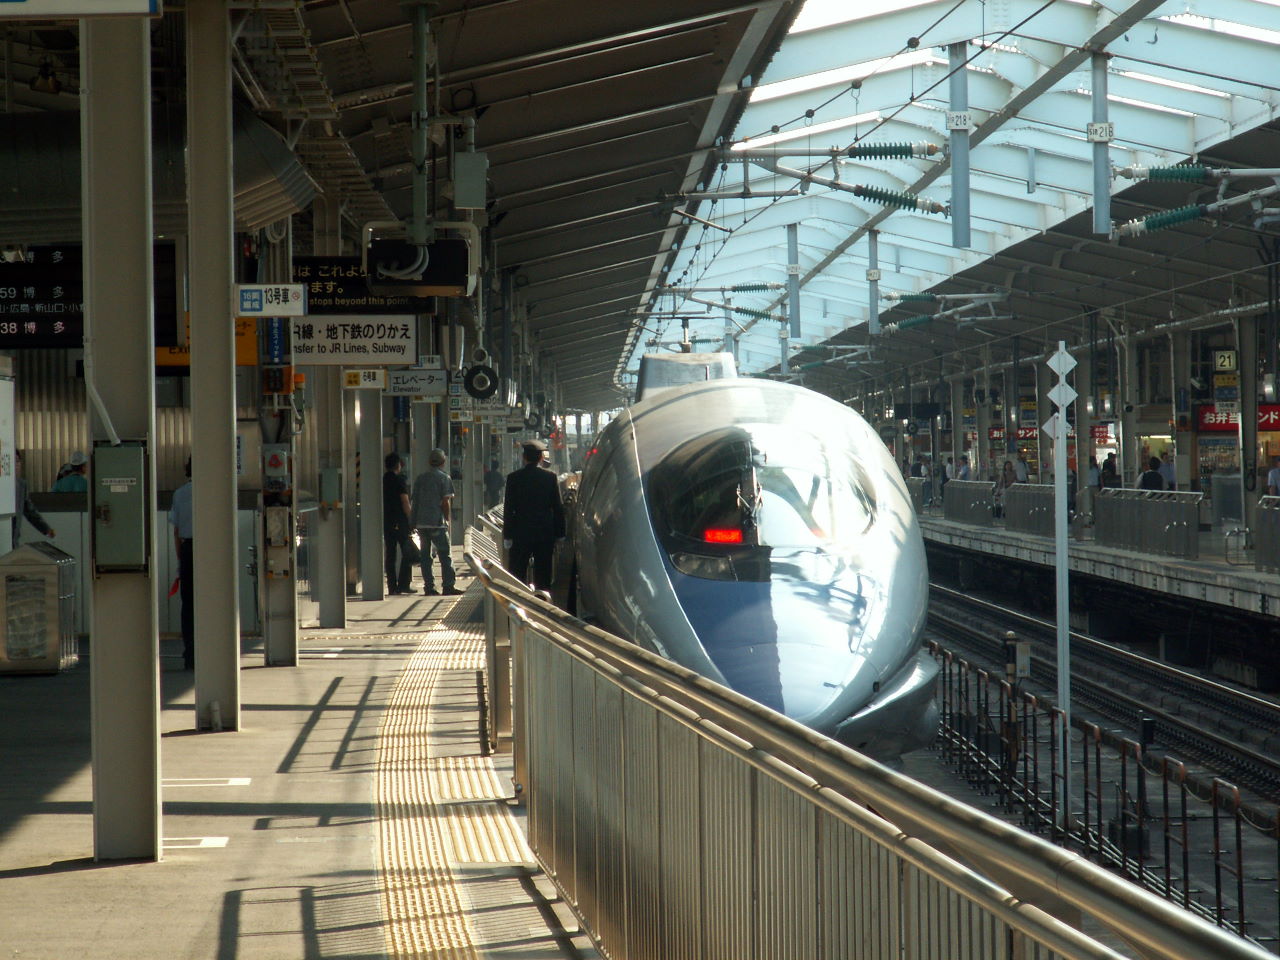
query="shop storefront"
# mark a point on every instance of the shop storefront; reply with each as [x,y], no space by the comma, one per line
[1217,462]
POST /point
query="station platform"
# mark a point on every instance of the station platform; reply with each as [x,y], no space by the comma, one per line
[1210,578]
[356,814]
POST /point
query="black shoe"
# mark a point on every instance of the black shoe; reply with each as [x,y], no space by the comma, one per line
[452,592]
[431,591]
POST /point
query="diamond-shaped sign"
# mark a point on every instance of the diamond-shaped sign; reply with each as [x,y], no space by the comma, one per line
[1061,395]
[1061,362]
[1050,427]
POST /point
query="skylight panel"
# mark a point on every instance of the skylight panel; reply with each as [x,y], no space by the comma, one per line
[856,71]
[1226,26]
[1175,84]
[801,133]
[823,13]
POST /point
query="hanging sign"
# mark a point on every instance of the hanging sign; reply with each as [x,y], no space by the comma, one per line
[78,9]
[355,341]
[417,383]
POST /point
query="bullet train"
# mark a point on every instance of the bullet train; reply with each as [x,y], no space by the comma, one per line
[761,534]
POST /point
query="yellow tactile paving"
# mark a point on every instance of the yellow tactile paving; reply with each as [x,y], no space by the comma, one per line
[435,810]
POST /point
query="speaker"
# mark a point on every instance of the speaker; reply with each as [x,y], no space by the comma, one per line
[481,381]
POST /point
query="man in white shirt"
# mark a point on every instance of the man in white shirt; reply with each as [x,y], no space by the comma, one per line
[1167,472]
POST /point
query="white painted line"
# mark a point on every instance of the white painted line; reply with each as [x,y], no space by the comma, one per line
[194,843]
[205,782]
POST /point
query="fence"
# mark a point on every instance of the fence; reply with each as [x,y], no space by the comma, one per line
[1153,521]
[1028,508]
[969,501]
[680,819]
[1266,535]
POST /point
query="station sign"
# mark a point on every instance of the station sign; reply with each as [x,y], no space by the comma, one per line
[373,379]
[270,300]
[77,9]
[1224,361]
[355,341]
[339,285]
[417,382]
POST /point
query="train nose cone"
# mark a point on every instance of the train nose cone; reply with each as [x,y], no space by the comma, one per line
[795,645]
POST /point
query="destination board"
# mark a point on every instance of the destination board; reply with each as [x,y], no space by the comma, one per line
[337,285]
[42,297]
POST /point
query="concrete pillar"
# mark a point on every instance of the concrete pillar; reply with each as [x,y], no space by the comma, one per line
[1009,419]
[329,578]
[1127,412]
[1183,437]
[352,465]
[1247,353]
[982,421]
[115,124]
[956,395]
[370,492]
[213,402]
[1084,429]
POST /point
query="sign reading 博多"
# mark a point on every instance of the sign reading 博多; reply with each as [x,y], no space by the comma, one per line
[356,341]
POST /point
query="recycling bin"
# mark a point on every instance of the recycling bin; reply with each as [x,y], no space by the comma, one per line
[37,615]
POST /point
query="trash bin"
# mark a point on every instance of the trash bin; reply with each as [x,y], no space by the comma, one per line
[37,612]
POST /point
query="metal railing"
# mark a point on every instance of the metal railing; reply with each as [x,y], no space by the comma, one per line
[680,819]
[969,501]
[1266,535]
[1028,508]
[1152,521]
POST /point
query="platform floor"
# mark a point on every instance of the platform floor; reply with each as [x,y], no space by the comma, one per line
[355,814]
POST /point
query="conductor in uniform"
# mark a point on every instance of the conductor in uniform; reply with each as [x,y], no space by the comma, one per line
[532,517]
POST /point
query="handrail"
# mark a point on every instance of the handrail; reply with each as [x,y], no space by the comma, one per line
[1028,866]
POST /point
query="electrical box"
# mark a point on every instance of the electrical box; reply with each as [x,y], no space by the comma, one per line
[120,498]
[470,171]
[331,486]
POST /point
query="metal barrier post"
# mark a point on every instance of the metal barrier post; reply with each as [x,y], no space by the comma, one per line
[519,706]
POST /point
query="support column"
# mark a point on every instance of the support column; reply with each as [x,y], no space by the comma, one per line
[957,428]
[1101,149]
[959,143]
[329,578]
[119,341]
[1084,430]
[982,422]
[793,282]
[1127,413]
[370,493]
[213,402]
[1247,345]
[873,282]
[1183,438]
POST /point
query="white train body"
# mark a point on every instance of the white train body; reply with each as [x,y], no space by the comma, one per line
[761,534]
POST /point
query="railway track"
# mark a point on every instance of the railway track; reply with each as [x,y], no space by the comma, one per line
[1202,720]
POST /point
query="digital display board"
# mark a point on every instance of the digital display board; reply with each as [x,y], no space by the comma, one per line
[338,285]
[42,297]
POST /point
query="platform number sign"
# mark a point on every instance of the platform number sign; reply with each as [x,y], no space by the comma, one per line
[1224,361]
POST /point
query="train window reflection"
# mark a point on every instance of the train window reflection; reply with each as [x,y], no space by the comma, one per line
[778,486]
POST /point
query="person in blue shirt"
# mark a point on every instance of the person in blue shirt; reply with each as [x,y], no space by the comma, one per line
[74,480]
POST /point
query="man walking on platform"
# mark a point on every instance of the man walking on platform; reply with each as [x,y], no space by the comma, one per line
[532,517]
[432,507]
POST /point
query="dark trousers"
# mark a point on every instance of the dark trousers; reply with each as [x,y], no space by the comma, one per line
[397,538]
[540,552]
[186,560]
[437,537]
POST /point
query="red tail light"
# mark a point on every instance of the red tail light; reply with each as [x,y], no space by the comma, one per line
[722,536]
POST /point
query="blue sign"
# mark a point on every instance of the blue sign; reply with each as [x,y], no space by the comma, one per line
[250,301]
[275,339]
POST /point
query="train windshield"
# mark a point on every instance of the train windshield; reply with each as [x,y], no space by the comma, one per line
[733,491]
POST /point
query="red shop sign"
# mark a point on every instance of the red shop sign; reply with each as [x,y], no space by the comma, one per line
[1028,433]
[995,433]
[1100,431]
[1209,420]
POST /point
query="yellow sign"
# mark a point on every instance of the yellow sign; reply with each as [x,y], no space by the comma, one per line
[1226,379]
[246,345]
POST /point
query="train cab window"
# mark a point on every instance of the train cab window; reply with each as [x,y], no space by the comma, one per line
[722,501]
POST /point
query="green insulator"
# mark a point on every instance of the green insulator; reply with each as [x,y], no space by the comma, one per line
[748,312]
[1188,172]
[902,150]
[890,198]
[916,321]
[749,288]
[917,298]
[1170,218]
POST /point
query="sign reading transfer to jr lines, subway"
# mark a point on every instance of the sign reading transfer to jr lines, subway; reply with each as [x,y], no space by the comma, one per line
[354,341]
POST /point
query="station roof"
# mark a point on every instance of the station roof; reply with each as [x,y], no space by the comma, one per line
[1186,81]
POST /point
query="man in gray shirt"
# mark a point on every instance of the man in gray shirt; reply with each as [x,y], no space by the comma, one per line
[432,500]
